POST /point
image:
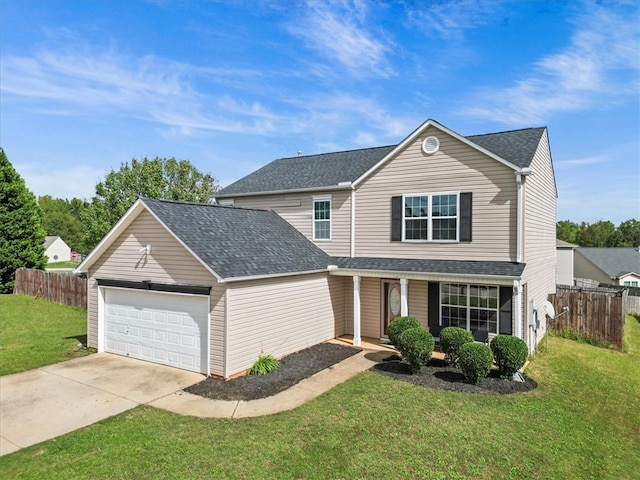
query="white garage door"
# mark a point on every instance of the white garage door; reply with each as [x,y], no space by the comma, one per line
[162,328]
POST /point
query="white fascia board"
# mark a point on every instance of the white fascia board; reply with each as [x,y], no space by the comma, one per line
[126,220]
[275,275]
[493,279]
[340,186]
[179,240]
[418,132]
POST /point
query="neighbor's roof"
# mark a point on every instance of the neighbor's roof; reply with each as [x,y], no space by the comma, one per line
[563,244]
[238,242]
[49,240]
[517,147]
[615,262]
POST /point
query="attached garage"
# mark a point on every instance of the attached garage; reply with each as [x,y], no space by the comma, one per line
[160,327]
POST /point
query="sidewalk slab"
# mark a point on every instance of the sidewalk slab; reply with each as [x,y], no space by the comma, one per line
[185,403]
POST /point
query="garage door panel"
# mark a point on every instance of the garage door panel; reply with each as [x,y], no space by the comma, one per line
[163,328]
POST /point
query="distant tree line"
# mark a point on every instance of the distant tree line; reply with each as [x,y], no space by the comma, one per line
[600,234]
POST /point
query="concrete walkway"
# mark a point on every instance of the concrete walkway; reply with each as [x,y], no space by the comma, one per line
[44,403]
[188,404]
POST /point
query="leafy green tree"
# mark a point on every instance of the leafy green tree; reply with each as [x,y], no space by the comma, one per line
[21,233]
[628,234]
[62,218]
[567,231]
[159,178]
[599,234]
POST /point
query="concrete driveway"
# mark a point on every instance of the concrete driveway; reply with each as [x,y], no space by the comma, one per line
[46,402]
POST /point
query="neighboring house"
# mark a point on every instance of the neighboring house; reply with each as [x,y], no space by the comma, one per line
[56,249]
[452,230]
[613,266]
[565,253]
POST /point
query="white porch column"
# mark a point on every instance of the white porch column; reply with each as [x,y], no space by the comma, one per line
[356,311]
[404,295]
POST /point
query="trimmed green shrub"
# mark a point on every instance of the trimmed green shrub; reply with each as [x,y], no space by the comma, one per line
[415,345]
[510,354]
[399,325]
[475,361]
[263,365]
[451,339]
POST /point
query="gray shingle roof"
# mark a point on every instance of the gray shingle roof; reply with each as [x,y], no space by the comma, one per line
[615,262]
[311,171]
[330,169]
[237,242]
[444,267]
[516,147]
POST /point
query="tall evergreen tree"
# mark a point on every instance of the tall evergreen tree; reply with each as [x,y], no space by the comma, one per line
[21,233]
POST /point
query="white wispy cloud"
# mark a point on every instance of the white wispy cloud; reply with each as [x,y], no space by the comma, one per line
[337,30]
[82,79]
[450,19]
[600,66]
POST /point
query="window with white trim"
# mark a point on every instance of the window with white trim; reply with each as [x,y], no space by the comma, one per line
[431,217]
[322,218]
[630,283]
[472,307]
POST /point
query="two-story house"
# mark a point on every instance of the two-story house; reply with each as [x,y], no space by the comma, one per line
[450,229]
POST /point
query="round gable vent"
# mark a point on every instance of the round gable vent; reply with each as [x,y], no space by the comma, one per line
[430,145]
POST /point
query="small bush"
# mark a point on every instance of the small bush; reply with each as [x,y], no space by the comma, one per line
[451,339]
[415,345]
[475,361]
[263,365]
[399,325]
[510,354]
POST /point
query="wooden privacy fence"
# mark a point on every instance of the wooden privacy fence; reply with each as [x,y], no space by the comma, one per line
[594,313]
[63,288]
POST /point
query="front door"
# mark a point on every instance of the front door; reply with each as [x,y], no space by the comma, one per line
[390,304]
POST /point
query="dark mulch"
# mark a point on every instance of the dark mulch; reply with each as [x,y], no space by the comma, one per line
[293,368]
[437,374]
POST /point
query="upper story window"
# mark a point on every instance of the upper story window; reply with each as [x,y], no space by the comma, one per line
[322,218]
[630,283]
[431,217]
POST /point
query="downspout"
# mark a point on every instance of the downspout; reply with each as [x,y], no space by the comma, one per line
[519,213]
[353,222]
[517,302]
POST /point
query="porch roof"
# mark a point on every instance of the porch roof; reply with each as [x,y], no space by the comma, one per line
[441,270]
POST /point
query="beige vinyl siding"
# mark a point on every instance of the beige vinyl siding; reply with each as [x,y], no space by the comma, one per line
[339,292]
[277,316]
[418,297]
[540,233]
[168,262]
[456,167]
[297,209]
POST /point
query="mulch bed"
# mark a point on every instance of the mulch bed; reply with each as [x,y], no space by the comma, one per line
[293,368]
[300,365]
[439,375]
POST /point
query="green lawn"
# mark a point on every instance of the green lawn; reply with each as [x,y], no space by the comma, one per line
[69,264]
[35,332]
[583,421]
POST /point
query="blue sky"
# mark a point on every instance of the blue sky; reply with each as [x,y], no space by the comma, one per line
[232,85]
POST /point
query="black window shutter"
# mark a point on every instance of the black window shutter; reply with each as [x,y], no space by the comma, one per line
[506,308]
[396,219]
[465,216]
[434,308]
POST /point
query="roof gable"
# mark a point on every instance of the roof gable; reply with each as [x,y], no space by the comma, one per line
[515,149]
[237,243]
